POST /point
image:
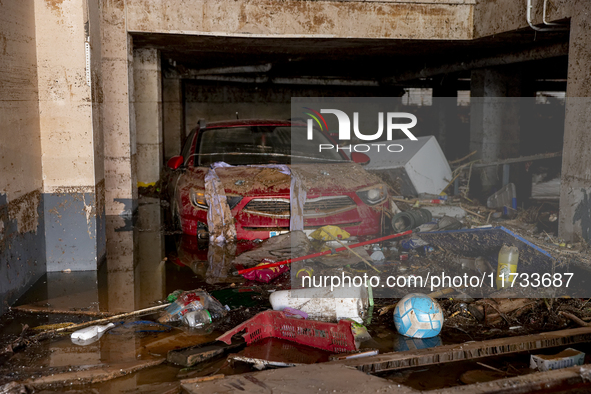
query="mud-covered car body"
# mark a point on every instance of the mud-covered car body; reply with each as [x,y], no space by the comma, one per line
[339,191]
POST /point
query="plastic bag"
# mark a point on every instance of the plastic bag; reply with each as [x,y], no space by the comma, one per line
[191,301]
[329,233]
[265,275]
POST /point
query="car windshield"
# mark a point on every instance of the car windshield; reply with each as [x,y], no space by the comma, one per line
[262,145]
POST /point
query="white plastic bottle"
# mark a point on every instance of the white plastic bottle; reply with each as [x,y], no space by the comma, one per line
[324,304]
[88,335]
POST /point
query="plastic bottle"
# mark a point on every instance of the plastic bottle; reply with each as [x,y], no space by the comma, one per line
[197,319]
[172,297]
[91,334]
[508,260]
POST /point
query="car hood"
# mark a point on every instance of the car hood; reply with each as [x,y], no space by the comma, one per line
[317,179]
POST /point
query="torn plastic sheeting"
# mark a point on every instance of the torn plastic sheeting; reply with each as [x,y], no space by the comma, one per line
[219,216]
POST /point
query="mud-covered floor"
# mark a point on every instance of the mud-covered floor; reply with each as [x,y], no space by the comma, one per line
[147,260]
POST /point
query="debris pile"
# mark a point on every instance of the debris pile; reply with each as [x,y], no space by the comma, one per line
[443,270]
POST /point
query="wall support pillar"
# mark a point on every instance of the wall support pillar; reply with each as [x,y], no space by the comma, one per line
[575,188]
[119,113]
[148,115]
[494,119]
[173,121]
[71,133]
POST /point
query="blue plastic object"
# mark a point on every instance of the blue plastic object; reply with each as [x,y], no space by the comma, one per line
[139,326]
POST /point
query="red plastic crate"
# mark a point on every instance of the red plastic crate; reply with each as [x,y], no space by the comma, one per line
[333,337]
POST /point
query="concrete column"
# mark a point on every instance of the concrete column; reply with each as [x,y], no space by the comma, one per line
[68,34]
[22,246]
[118,112]
[122,275]
[148,115]
[494,119]
[173,116]
[445,101]
[152,270]
[575,189]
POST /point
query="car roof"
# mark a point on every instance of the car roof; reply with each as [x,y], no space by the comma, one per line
[250,122]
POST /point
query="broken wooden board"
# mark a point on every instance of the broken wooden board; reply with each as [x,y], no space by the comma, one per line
[315,378]
[89,376]
[192,355]
[560,379]
[469,350]
[329,378]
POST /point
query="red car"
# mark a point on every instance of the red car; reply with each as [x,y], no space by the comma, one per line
[339,191]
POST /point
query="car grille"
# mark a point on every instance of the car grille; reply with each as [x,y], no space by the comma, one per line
[268,207]
[328,204]
[314,207]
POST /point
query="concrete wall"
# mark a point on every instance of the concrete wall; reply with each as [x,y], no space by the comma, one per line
[499,16]
[22,249]
[221,101]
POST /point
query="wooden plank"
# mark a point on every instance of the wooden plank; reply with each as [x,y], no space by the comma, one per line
[50,310]
[192,355]
[315,378]
[90,375]
[563,379]
[469,350]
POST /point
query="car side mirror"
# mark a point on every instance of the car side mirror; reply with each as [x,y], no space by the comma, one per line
[175,162]
[360,158]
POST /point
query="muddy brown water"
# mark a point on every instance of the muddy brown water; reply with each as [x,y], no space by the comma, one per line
[147,261]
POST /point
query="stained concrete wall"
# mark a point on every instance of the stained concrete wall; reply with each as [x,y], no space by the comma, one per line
[448,19]
[499,16]
[148,115]
[71,128]
[22,250]
[214,101]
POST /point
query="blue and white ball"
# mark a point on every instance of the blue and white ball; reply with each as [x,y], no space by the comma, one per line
[418,316]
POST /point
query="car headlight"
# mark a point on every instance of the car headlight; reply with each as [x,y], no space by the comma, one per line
[198,199]
[373,195]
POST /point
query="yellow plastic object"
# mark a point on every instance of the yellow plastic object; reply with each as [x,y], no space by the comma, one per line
[324,233]
[508,260]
